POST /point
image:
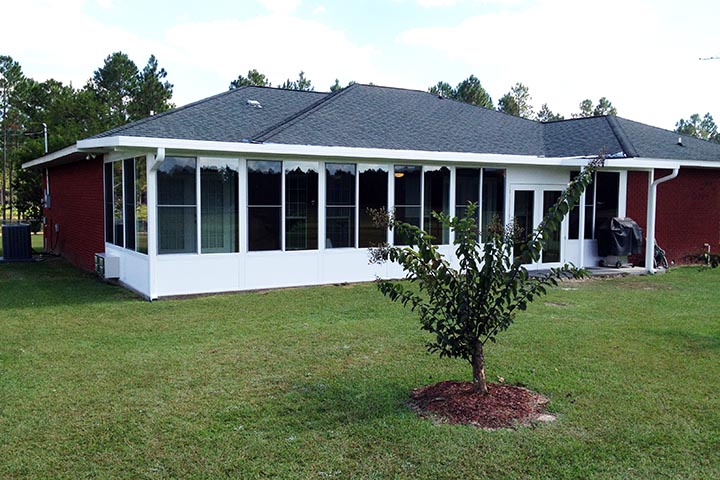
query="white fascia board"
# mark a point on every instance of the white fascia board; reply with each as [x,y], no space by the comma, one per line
[640,163]
[312,151]
[52,156]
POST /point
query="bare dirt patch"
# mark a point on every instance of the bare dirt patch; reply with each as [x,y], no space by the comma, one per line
[507,406]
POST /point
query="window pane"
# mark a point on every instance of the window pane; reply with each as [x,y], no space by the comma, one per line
[523,217]
[407,185]
[219,206]
[109,217]
[263,228]
[606,197]
[574,216]
[176,230]
[340,200]
[340,227]
[493,195]
[373,180]
[551,252]
[467,189]
[264,205]
[177,212]
[590,209]
[301,205]
[176,181]
[264,183]
[409,215]
[141,219]
[437,199]
[117,204]
[129,181]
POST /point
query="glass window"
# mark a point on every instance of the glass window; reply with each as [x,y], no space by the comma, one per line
[264,205]
[129,184]
[467,189]
[373,185]
[219,206]
[301,205]
[590,210]
[574,215]
[177,206]
[109,228]
[493,195]
[141,216]
[408,180]
[607,197]
[551,252]
[340,205]
[437,199]
[524,217]
[118,203]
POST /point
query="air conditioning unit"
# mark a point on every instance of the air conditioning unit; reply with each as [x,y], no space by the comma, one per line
[16,242]
[107,266]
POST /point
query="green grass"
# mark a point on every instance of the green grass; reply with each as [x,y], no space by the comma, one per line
[313,382]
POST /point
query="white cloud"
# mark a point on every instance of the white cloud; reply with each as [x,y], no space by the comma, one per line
[277,45]
[437,3]
[284,7]
[319,10]
[566,51]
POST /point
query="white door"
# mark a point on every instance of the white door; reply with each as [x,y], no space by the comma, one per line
[529,204]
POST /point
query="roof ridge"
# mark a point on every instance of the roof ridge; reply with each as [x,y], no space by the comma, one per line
[296,117]
[622,137]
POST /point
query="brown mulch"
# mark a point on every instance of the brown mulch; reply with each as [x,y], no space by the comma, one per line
[507,406]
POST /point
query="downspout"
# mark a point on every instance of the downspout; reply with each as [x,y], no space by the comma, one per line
[651,207]
[152,220]
[159,158]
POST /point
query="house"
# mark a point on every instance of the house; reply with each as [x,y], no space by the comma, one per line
[260,187]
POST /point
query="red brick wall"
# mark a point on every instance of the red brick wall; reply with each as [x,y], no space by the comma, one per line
[76,206]
[688,210]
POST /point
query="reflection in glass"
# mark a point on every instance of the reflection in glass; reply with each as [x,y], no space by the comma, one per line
[141,213]
[551,252]
[523,217]
[177,206]
[437,199]
[467,190]
[407,182]
[493,196]
[264,205]
[118,203]
[340,205]
[129,211]
[373,184]
[219,206]
[301,205]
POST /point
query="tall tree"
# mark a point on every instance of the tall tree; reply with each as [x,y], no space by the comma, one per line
[254,78]
[603,107]
[547,115]
[517,102]
[115,84]
[153,92]
[471,91]
[703,128]
[444,89]
[11,81]
[302,83]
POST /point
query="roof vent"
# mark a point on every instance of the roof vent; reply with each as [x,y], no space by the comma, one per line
[680,141]
[253,104]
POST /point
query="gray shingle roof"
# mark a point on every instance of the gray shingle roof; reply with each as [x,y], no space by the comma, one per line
[398,119]
[226,117]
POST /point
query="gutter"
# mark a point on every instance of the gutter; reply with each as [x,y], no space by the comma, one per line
[651,216]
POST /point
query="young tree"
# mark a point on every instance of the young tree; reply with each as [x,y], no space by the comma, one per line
[254,78]
[603,107]
[468,306]
[444,89]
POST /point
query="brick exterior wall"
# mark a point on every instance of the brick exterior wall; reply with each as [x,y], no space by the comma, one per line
[688,210]
[76,206]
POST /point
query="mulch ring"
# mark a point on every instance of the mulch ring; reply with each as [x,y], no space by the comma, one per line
[507,406]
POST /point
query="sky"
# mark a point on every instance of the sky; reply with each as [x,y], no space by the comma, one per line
[643,55]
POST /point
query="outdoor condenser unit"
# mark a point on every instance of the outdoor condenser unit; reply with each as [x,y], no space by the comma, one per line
[107,266]
[16,242]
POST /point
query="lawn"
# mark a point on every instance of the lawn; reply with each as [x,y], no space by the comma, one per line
[313,383]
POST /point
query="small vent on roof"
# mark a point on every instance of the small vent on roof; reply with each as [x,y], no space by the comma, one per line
[680,141]
[253,104]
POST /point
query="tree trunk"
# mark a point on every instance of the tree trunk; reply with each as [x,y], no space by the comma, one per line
[478,366]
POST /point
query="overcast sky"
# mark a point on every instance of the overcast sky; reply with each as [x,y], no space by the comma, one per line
[641,54]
